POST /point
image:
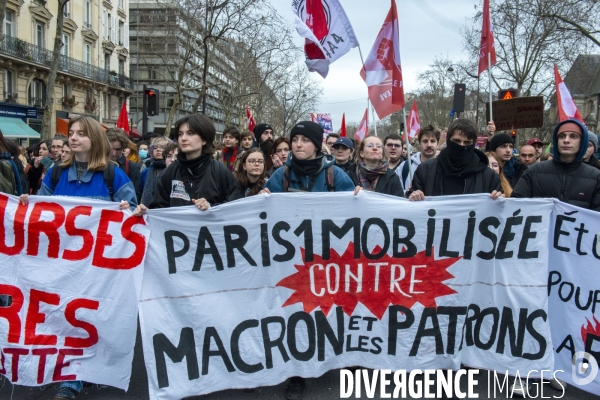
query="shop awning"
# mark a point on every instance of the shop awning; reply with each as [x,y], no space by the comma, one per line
[15,128]
[135,134]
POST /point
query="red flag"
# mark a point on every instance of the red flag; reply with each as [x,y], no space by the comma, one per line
[343,128]
[414,123]
[123,120]
[382,71]
[313,117]
[487,40]
[250,119]
[363,127]
[566,106]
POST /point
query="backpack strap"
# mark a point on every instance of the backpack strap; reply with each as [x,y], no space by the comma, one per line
[55,175]
[285,178]
[109,179]
[331,178]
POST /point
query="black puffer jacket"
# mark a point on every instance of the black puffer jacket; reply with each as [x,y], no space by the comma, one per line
[477,177]
[593,162]
[387,184]
[575,183]
[210,179]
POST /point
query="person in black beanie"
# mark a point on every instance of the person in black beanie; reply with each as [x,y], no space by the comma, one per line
[263,133]
[459,169]
[307,168]
[503,144]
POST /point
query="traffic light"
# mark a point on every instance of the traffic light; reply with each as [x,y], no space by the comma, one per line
[507,94]
[402,127]
[513,133]
[153,102]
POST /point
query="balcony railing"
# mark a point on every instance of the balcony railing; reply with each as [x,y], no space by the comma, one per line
[27,51]
[39,102]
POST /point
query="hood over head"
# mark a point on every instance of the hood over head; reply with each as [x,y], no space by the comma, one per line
[584,138]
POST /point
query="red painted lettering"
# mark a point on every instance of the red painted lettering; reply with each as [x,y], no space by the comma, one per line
[70,311]
[11,313]
[104,240]
[16,353]
[49,228]
[42,353]
[35,317]
[60,364]
[72,230]
[18,229]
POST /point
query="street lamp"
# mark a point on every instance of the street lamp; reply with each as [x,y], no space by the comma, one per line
[450,69]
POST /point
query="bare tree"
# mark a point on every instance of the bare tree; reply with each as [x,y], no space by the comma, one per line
[58,44]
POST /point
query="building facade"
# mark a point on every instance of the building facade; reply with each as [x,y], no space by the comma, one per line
[93,72]
[583,82]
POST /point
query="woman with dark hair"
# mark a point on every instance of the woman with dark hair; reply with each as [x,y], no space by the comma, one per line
[15,152]
[246,140]
[372,172]
[251,176]
[195,178]
[278,154]
[36,168]
[10,180]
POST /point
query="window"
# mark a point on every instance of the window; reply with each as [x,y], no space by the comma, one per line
[65,90]
[39,34]
[121,67]
[105,24]
[65,49]
[88,96]
[121,33]
[122,4]
[107,62]
[107,106]
[87,14]
[87,53]
[8,24]
[8,84]
[37,93]
[67,9]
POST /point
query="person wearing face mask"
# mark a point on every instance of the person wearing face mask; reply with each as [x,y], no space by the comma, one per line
[143,153]
[371,172]
[459,169]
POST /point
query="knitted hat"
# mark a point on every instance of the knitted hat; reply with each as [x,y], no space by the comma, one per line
[594,140]
[312,130]
[499,139]
[569,127]
[259,129]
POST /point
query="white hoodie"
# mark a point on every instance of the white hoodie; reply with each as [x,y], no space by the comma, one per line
[415,161]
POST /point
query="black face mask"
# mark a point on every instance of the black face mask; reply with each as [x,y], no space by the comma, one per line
[458,155]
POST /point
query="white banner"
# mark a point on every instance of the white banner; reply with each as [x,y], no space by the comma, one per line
[72,268]
[574,290]
[247,296]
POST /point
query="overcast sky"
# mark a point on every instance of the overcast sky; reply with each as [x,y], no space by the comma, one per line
[428,28]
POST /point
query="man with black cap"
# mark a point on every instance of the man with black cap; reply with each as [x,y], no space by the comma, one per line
[459,168]
[307,169]
[538,146]
[566,178]
[263,133]
[590,155]
[503,144]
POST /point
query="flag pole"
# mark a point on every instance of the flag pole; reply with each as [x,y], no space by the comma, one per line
[410,171]
[490,84]
[368,99]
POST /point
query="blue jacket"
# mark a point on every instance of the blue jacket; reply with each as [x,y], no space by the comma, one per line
[91,186]
[341,180]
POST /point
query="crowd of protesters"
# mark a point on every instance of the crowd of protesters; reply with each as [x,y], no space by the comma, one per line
[190,170]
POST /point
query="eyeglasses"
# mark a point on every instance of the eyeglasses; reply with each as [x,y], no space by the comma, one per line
[253,161]
[395,145]
[371,145]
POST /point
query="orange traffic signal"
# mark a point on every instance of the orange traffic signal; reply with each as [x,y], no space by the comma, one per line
[508,94]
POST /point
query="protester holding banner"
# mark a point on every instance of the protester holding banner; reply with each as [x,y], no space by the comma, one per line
[497,168]
[590,158]
[195,178]
[343,150]
[277,155]
[459,169]
[428,138]
[251,176]
[371,172]
[567,178]
[307,169]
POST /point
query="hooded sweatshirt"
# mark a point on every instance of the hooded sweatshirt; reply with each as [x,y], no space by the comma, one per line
[342,183]
[572,182]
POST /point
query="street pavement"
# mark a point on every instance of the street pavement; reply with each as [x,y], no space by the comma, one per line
[327,387]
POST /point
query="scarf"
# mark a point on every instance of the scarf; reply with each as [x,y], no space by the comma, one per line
[369,177]
[195,166]
[154,171]
[229,156]
[509,168]
[307,167]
